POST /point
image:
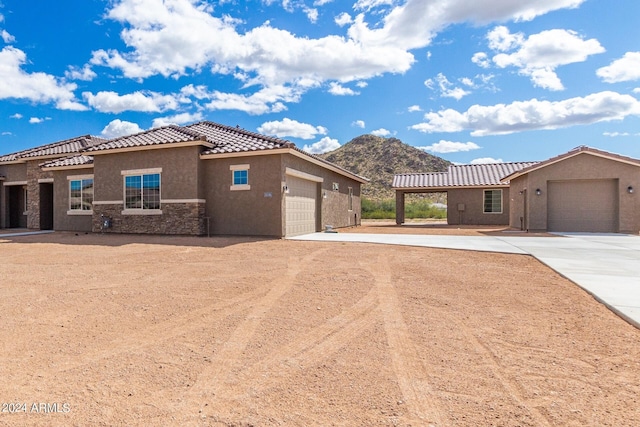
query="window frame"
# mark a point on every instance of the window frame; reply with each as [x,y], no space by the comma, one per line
[141,198]
[237,171]
[484,201]
[81,210]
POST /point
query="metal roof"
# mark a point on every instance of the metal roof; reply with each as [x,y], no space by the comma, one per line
[481,175]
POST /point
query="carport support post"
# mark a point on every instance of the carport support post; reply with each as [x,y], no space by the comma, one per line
[399,207]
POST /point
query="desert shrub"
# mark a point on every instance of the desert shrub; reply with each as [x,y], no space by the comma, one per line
[386,209]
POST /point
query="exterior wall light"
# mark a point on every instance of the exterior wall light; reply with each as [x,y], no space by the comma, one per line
[630,189]
[285,189]
[538,192]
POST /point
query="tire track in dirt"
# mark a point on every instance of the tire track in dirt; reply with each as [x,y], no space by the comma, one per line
[412,375]
[512,387]
[212,381]
[167,329]
[315,345]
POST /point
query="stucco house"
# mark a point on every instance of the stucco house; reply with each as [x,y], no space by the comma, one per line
[200,179]
[583,190]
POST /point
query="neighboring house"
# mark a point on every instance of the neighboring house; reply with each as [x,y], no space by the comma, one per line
[200,179]
[584,190]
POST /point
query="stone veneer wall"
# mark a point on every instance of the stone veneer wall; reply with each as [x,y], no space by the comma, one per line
[34,173]
[176,218]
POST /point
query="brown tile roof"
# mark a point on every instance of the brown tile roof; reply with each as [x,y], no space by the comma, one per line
[80,160]
[482,175]
[61,148]
[227,139]
[582,149]
[158,136]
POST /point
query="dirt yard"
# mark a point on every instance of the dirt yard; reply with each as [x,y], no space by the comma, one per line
[107,330]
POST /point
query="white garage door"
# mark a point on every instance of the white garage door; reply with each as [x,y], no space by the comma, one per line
[583,206]
[301,206]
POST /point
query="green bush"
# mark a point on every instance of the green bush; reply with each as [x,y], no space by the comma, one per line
[386,209]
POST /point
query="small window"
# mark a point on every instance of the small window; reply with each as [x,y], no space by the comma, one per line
[350,198]
[492,201]
[142,191]
[239,177]
[81,194]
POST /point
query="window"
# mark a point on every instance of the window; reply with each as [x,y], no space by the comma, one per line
[350,198]
[239,177]
[81,194]
[142,191]
[492,201]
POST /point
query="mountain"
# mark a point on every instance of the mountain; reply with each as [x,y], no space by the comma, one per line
[379,158]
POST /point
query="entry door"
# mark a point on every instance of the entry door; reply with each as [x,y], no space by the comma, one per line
[301,206]
[583,206]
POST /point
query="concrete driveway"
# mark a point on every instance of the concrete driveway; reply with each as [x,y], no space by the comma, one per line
[605,265]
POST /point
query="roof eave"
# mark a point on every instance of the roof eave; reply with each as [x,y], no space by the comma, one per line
[149,147]
[450,187]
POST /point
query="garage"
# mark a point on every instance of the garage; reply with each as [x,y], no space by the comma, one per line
[583,206]
[301,206]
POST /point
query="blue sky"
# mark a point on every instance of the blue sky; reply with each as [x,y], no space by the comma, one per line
[470,81]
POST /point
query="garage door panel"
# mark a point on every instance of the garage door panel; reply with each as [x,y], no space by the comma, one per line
[301,206]
[583,206]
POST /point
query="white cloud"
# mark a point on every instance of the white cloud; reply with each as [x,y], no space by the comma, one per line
[337,89]
[325,145]
[636,90]
[533,114]
[36,87]
[485,161]
[624,69]
[450,147]
[343,19]
[36,120]
[447,89]
[7,133]
[8,38]
[118,128]
[617,134]
[291,128]
[414,108]
[540,54]
[85,73]
[367,5]
[358,124]
[144,101]
[16,116]
[312,14]
[321,2]
[481,60]
[178,119]
[180,37]
[267,100]
[381,132]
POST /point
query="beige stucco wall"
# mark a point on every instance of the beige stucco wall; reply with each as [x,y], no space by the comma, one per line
[261,210]
[62,220]
[256,211]
[473,201]
[334,205]
[583,166]
[183,211]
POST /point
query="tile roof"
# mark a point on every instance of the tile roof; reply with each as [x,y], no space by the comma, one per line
[460,176]
[158,136]
[80,160]
[227,139]
[574,152]
[61,148]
